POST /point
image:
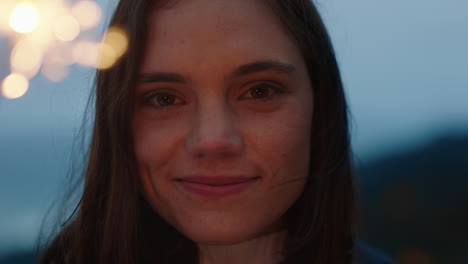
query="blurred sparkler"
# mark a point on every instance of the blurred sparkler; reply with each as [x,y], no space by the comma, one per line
[45,38]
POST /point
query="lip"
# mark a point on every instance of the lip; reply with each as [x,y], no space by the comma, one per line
[216,179]
[216,185]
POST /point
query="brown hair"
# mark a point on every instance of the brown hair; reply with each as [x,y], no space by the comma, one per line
[114,223]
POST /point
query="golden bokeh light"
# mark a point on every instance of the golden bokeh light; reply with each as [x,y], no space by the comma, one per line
[6,9]
[24,18]
[66,28]
[86,53]
[55,72]
[50,10]
[49,30]
[42,36]
[25,58]
[56,7]
[87,13]
[107,56]
[14,86]
[114,44]
[117,39]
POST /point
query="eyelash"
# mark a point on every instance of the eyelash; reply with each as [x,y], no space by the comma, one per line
[277,90]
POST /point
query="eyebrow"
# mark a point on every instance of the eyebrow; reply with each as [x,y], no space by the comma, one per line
[260,66]
[162,77]
[243,70]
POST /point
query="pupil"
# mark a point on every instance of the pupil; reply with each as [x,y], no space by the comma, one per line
[259,92]
[165,99]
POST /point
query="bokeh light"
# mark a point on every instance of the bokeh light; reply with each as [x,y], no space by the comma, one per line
[42,36]
[56,62]
[87,13]
[25,58]
[54,72]
[66,28]
[24,17]
[14,86]
[108,56]
[61,54]
[117,39]
[86,53]
[45,36]
[114,45]
[6,9]
[51,9]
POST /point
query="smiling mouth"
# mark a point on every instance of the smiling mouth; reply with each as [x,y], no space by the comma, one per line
[216,179]
[217,188]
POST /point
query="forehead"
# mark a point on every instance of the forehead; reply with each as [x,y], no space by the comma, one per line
[198,33]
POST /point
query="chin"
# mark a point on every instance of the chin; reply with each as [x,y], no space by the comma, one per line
[219,237]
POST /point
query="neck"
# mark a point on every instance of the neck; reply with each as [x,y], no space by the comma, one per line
[265,249]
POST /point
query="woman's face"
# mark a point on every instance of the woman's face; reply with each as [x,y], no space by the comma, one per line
[224,92]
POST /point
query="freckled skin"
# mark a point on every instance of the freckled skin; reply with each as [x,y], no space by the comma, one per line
[210,129]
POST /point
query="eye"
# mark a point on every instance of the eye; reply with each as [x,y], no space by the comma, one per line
[162,99]
[264,91]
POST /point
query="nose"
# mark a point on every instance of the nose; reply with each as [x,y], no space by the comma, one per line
[214,133]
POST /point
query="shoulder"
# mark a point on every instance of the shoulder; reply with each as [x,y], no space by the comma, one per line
[369,255]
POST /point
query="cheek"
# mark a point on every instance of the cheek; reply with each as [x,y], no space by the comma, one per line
[154,145]
[154,142]
[283,142]
[288,153]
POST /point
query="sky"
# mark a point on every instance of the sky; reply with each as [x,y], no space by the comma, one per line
[404,65]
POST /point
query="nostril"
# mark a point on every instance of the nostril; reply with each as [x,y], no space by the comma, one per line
[214,147]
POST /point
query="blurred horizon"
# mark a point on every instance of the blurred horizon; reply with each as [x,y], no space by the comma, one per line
[412,202]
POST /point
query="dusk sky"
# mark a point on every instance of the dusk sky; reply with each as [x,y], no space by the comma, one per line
[404,64]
